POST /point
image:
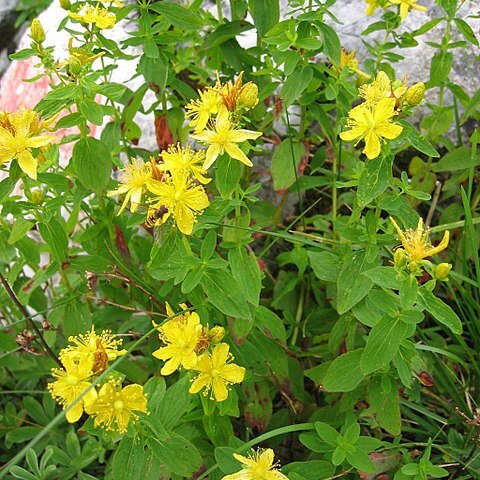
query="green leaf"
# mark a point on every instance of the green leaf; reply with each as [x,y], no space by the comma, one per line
[458,159]
[331,42]
[360,460]
[384,276]
[385,403]
[351,286]
[374,179]
[177,15]
[440,68]
[174,403]
[56,238]
[325,265]
[327,433]
[295,84]
[23,54]
[440,311]
[227,175]
[91,111]
[78,320]
[382,344]
[270,323]
[466,30]
[20,228]
[225,294]
[247,273]
[226,461]
[310,469]
[285,161]
[177,453]
[419,141]
[226,32]
[92,163]
[265,14]
[155,70]
[132,460]
[344,374]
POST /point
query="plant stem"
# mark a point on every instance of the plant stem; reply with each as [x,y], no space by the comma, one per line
[29,320]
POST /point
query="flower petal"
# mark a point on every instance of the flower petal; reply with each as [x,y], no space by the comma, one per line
[27,163]
[237,154]
[372,145]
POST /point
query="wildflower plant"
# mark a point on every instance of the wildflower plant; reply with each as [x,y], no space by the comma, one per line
[280,283]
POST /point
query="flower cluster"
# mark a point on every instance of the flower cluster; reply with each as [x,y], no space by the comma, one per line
[373,120]
[417,247]
[20,132]
[187,345]
[259,465]
[175,184]
[87,357]
[404,6]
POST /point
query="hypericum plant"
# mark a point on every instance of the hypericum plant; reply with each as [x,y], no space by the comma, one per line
[323,326]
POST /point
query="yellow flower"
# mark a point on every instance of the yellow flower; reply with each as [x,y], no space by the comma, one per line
[372,5]
[70,383]
[224,137]
[113,409]
[203,109]
[135,177]
[19,133]
[372,123]
[416,242]
[258,466]
[236,96]
[178,159]
[180,335]
[379,89]
[406,5]
[216,373]
[181,197]
[100,17]
[99,349]
[348,59]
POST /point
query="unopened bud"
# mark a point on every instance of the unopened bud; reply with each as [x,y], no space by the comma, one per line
[441,271]
[216,334]
[65,4]
[413,267]
[37,197]
[74,65]
[248,97]
[415,94]
[36,31]
[400,258]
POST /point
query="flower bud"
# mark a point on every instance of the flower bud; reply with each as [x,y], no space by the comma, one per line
[216,334]
[65,4]
[413,267]
[415,94]
[36,31]
[74,65]
[400,258]
[37,197]
[441,271]
[248,97]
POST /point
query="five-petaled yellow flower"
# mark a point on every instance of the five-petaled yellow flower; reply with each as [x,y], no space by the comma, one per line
[71,383]
[19,133]
[98,16]
[98,349]
[204,108]
[223,137]
[180,197]
[373,124]
[181,335]
[114,406]
[406,5]
[216,373]
[258,466]
[178,159]
[134,177]
[416,242]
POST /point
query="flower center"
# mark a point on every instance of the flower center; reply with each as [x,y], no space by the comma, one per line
[178,196]
[118,405]
[72,380]
[215,373]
